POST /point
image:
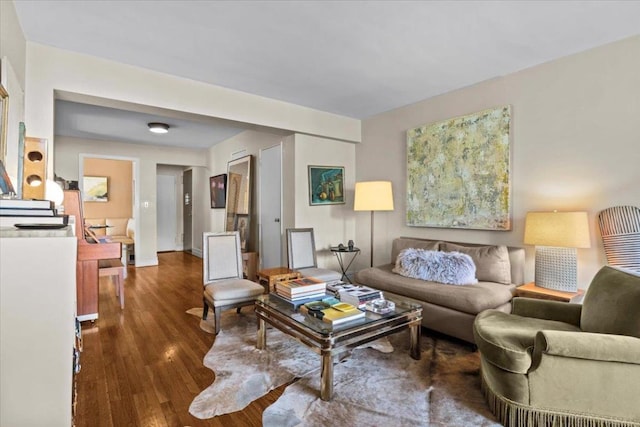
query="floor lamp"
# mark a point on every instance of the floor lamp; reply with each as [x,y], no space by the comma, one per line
[373,196]
[556,236]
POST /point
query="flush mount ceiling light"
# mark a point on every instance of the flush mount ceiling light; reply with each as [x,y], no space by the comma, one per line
[158,127]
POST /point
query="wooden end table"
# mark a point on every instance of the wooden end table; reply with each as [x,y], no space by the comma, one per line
[270,276]
[530,290]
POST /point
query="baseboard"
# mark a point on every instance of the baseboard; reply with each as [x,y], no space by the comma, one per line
[146,262]
[196,252]
[85,317]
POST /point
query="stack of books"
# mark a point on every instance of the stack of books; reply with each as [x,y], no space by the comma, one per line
[359,295]
[23,212]
[336,313]
[299,289]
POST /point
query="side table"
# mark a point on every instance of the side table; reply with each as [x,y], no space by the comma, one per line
[339,253]
[530,290]
[270,276]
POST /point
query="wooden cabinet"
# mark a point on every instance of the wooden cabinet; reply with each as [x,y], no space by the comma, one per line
[37,327]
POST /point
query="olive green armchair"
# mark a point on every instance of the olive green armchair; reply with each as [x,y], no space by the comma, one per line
[550,363]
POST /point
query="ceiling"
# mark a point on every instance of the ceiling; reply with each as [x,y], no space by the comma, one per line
[353,58]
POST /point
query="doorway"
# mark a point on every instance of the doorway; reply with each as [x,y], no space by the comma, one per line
[187,209]
[167,217]
[116,190]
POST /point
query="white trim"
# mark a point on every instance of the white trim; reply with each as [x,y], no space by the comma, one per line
[147,262]
[85,317]
[136,187]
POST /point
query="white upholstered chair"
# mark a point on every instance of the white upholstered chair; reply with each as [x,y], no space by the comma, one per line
[301,255]
[224,286]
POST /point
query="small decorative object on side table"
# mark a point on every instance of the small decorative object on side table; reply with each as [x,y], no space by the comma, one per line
[269,276]
[339,251]
[530,290]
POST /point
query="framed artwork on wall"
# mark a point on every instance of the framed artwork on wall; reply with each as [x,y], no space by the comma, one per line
[218,189]
[95,189]
[458,172]
[326,185]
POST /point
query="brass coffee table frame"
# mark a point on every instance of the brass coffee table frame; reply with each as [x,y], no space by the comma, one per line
[328,343]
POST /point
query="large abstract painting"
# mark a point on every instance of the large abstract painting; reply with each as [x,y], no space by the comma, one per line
[458,172]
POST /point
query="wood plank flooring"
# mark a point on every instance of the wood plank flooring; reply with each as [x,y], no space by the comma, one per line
[142,366]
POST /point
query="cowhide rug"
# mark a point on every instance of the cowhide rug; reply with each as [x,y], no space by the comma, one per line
[371,387]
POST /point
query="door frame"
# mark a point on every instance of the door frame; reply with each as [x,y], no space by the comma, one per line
[135,161]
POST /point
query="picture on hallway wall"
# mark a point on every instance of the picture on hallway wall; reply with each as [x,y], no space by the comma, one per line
[458,172]
[326,185]
[218,190]
[95,189]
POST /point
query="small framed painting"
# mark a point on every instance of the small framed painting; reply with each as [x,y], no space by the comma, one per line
[218,187]
[95,189]
[326,185]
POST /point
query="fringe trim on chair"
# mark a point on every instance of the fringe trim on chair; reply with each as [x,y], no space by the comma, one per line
[512,414]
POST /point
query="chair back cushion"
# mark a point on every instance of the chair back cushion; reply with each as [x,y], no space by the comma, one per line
[301,248]
[222,258]
[117,226]
[611,303]
[401,243]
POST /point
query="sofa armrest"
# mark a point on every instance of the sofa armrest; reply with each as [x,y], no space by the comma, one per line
[586,345]
[548,310]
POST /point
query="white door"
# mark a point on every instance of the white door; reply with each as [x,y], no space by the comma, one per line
[271,206]
[166,214]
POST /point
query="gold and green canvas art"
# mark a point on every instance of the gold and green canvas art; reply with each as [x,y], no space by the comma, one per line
[458,172]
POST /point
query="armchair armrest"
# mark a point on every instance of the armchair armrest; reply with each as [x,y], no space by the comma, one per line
[548,310]
[586,373]
[586,345]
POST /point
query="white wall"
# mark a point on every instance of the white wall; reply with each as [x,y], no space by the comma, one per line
[332,224]
[50,69]
[12,42]
[13,51]
[67,151]
[246,143]
[575,146]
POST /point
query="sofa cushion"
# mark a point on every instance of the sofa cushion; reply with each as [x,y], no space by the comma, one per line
[470,299]
[452,268]
[402,243]
[506,340]
[492,262]
[117,226]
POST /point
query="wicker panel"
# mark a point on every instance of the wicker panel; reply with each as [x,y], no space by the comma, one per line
[620,230]
[556,268]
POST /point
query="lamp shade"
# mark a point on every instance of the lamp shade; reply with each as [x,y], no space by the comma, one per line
[373,196]
[557,229]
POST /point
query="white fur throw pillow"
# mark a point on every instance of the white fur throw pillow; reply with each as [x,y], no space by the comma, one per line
[453,268]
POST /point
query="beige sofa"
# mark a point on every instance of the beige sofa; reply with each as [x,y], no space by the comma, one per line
[451,309]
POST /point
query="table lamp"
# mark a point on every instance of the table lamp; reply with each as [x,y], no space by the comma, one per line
[373,196]
[556,236]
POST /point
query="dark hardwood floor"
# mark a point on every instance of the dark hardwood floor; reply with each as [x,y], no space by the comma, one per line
[142,366]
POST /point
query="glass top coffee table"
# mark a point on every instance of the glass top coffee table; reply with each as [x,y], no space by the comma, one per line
[329,341]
